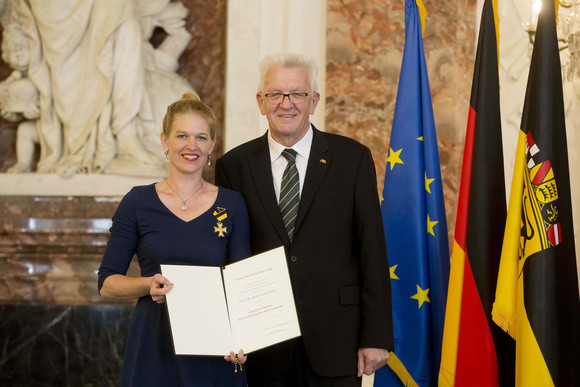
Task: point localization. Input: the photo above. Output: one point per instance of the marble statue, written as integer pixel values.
(19, 99)
(91, 88)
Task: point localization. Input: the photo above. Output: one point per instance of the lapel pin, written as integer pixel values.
(323, 161)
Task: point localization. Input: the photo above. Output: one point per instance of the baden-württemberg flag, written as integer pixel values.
(473, 346)
(537, 290)
(415, 223)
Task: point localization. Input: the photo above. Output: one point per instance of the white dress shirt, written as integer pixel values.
(279, 162)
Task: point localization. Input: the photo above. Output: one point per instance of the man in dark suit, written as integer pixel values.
(320, 201)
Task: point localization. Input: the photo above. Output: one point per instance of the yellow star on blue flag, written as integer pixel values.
(430, 225)
(421, 296)
(394, 158)
(428, 183)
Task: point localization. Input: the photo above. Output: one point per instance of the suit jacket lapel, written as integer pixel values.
(261, 168)
(318, 163)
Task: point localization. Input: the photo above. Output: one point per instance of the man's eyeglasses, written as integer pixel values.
(276, 98)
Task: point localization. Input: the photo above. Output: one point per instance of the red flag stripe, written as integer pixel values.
(463, 201)
(476, 356)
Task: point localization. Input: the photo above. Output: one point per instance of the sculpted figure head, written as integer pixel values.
(15, 49)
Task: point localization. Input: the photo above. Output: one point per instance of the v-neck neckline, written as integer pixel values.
(177, 216)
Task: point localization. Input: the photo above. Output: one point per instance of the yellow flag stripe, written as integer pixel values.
(508, 309)
(496, 22)
(400, 370)
(504, 307)
(422, 14)
(452, 316)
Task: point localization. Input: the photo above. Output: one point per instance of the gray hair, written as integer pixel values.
(289, 60)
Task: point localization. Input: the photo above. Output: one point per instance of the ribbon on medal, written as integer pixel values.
(220, 214)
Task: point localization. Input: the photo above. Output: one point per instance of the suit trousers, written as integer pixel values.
(301, 374)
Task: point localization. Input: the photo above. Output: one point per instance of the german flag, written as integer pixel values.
(471, 342)
(537, 290)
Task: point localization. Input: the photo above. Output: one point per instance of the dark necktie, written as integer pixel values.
(290, 192)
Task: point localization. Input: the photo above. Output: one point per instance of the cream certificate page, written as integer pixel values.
(197, 311)
(246, 305)
(260, 301)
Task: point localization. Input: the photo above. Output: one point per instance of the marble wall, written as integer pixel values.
(50, 248)
(62, 345)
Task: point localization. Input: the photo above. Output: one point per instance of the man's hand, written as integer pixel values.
(371, 359)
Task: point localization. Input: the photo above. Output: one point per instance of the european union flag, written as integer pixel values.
(415, 222)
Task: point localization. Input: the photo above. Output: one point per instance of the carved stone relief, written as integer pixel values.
(88, 87)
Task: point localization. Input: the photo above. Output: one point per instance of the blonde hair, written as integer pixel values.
(289, 60)
(189, 103)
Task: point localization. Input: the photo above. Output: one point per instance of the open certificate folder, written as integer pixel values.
(245, 305)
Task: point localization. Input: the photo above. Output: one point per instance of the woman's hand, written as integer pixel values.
(160, 286)
(239, 358)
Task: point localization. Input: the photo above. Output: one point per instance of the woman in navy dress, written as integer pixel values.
(180, 220)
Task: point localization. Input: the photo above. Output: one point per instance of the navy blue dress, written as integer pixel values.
(143, 225)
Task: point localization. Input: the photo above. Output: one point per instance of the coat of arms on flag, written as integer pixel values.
(540, 217)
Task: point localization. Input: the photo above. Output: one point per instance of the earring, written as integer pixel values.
(166, 153)
(209, 160)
